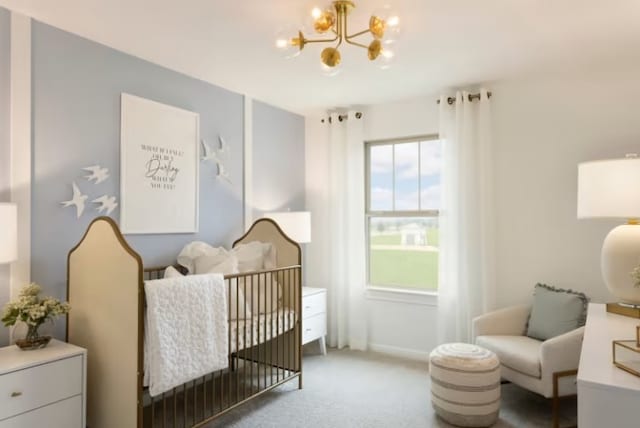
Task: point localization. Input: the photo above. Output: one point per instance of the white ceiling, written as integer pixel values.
(446, 43)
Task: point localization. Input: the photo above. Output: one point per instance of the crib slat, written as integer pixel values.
(244, 350)
(175, 409)
(164, 411)
(213, 393)
(195, 400)
(184, 401)
(237, 338)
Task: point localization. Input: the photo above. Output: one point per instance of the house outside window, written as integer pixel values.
(402, 209)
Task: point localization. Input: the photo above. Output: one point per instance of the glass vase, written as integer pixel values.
(29, 337)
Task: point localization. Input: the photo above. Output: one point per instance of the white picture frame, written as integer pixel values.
(159, 167)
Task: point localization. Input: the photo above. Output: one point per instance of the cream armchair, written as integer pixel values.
(547, 368)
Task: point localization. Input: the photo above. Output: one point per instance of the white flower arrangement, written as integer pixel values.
(635, 274)
(32, 310)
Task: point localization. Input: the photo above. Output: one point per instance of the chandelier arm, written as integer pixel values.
(321, 40)
(358, 34)
(357, 44)
(342, 24)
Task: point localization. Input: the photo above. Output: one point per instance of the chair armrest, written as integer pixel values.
(562, 352)
(510, 321)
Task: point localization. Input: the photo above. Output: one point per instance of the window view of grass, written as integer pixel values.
(403, 252)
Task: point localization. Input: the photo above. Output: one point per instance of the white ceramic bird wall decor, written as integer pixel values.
(98, 173)
(222, 172)
(222, 145)
(107, 203)
(77, 200)
(208, 153)
(216, 156)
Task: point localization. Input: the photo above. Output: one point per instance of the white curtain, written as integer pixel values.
(467, 278)
(346, 232)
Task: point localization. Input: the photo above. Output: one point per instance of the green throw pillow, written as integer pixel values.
(555, 311)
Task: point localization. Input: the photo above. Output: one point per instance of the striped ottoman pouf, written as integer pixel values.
(465, 384)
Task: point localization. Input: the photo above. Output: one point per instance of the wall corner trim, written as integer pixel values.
(248, 163)
(20, 145)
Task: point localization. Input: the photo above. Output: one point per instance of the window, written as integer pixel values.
(402, 208)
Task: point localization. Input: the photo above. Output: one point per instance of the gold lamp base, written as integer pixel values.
(632, 311)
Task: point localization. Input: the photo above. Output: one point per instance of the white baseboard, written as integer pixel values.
(410, 354)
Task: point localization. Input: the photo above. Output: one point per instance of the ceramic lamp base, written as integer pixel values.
(620, 256)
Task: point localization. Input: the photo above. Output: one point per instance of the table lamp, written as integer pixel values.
(611, 189)
(295, 224)
(8, 232)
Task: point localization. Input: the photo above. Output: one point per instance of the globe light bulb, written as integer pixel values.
(316, 12)
(330, 57)
(393, 29)
(289, 43)
(385, 24)
(324, 21)
(386, 59)
(330, 71)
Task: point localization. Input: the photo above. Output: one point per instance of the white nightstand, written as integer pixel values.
(44, 387)
(314, 316)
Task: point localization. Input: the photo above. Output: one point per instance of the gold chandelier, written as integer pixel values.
(384, 26)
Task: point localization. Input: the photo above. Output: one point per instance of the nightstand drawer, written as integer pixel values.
(27, 389)
(314, 327)
(314, 304)
(63, 414)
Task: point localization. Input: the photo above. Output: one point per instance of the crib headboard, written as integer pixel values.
(288, 251)
(105, 278)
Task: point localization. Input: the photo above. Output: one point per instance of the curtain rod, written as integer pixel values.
(342, 117)
(451, 100)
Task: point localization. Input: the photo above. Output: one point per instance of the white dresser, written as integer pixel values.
(44, 387)
(314, 316)
(607, 395)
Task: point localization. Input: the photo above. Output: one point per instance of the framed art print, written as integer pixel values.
(159, 158)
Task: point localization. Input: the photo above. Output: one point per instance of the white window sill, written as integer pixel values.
(399, 295)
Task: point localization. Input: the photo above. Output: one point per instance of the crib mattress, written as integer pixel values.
(256, 330)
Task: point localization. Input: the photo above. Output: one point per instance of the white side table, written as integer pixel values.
(607, 395)
(314, 316)
(44, 387)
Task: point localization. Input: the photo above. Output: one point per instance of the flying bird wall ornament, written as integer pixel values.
(215, 156)
(77, 200)
(107, 203)
(98, 173)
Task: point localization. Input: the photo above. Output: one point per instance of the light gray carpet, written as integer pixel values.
(364, 390)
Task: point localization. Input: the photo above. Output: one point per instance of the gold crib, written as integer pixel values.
(106, 291)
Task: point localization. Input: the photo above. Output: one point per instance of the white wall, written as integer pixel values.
(543, 127)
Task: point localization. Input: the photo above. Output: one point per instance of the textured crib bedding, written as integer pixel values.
(260, 329)
(250, 332)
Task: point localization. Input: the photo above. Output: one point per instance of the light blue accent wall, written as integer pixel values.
(278, 160)
(5, 69)
(76, 123)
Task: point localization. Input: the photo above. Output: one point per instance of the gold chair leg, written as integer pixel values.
(555, 401)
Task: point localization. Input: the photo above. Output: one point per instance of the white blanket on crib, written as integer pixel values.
(187, 329)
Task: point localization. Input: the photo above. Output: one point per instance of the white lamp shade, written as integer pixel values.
(8, 232)
(609, 188)
(296, 224)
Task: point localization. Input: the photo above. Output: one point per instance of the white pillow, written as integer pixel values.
(221, 262)
(255, 255)
(196, 249)
(171, 272)
(261, 293)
